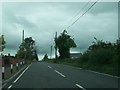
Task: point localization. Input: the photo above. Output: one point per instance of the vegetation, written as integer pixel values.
(101, 56)
(27, 50)
(45, 57)
(64, 42)
(101, 52)
(2, 42)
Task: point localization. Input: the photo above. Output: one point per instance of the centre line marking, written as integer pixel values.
(21, 74)
(79, 86)
(9, 87)
(49, 67)
(59, 73)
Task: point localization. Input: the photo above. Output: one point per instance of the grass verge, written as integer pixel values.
(111, 69)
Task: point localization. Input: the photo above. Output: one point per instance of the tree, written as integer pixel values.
(64, 42)
(118, 46)
(45, 57)
(35, 56)
(98, 44)
(27, 49)
(117, 49)
(101, 52)
(2, 42)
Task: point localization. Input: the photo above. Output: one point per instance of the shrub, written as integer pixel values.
(101, 55)
(84, 57)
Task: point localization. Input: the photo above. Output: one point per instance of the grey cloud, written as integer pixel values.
(42, 20)
(104, 7)
(12, 41)
(13, 19)
(24, 22)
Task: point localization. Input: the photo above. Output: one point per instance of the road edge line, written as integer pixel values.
(103, 74)
(4, 83)
(21, 74)
(91, 71)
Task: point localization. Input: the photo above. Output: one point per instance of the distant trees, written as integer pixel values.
(2, 42)
(64, 42)
(27, 49)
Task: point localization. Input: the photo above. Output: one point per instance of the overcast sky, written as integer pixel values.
(41, 21)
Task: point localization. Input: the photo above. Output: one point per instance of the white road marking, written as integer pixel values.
(49, 67)
(21, 74)
(9, 87)
(103, 74)
(95, 72)
(79, 86)
(59, 73)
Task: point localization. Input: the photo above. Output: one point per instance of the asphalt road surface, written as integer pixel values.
(48, 75)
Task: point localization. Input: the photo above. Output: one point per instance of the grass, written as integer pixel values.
(111, 69)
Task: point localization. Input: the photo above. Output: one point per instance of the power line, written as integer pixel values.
(83, 14)
(76, 20)
(79, 11)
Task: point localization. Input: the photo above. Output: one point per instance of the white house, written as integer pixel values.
(75, 55)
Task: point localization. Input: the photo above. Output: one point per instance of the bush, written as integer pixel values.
(102, 56)
(84, 57)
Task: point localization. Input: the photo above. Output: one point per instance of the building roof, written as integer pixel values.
(75, 55)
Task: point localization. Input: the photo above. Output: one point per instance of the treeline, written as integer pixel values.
(102, 56)
(27, 51)
(102, 52)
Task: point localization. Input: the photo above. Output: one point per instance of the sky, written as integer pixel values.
(40, 20)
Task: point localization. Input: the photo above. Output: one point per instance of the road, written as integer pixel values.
(48, 75)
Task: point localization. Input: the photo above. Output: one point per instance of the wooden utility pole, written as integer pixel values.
(23, 36)
(23, 42)
(51, 52)
(55, 46)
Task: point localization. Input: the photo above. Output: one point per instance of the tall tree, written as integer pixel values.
(2, 42)
(64, 42)
(27, 49)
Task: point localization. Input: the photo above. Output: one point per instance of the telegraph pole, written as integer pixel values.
(23, 42)
(80, 50)
(23, 36)
(51, 52)
(55, 46)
